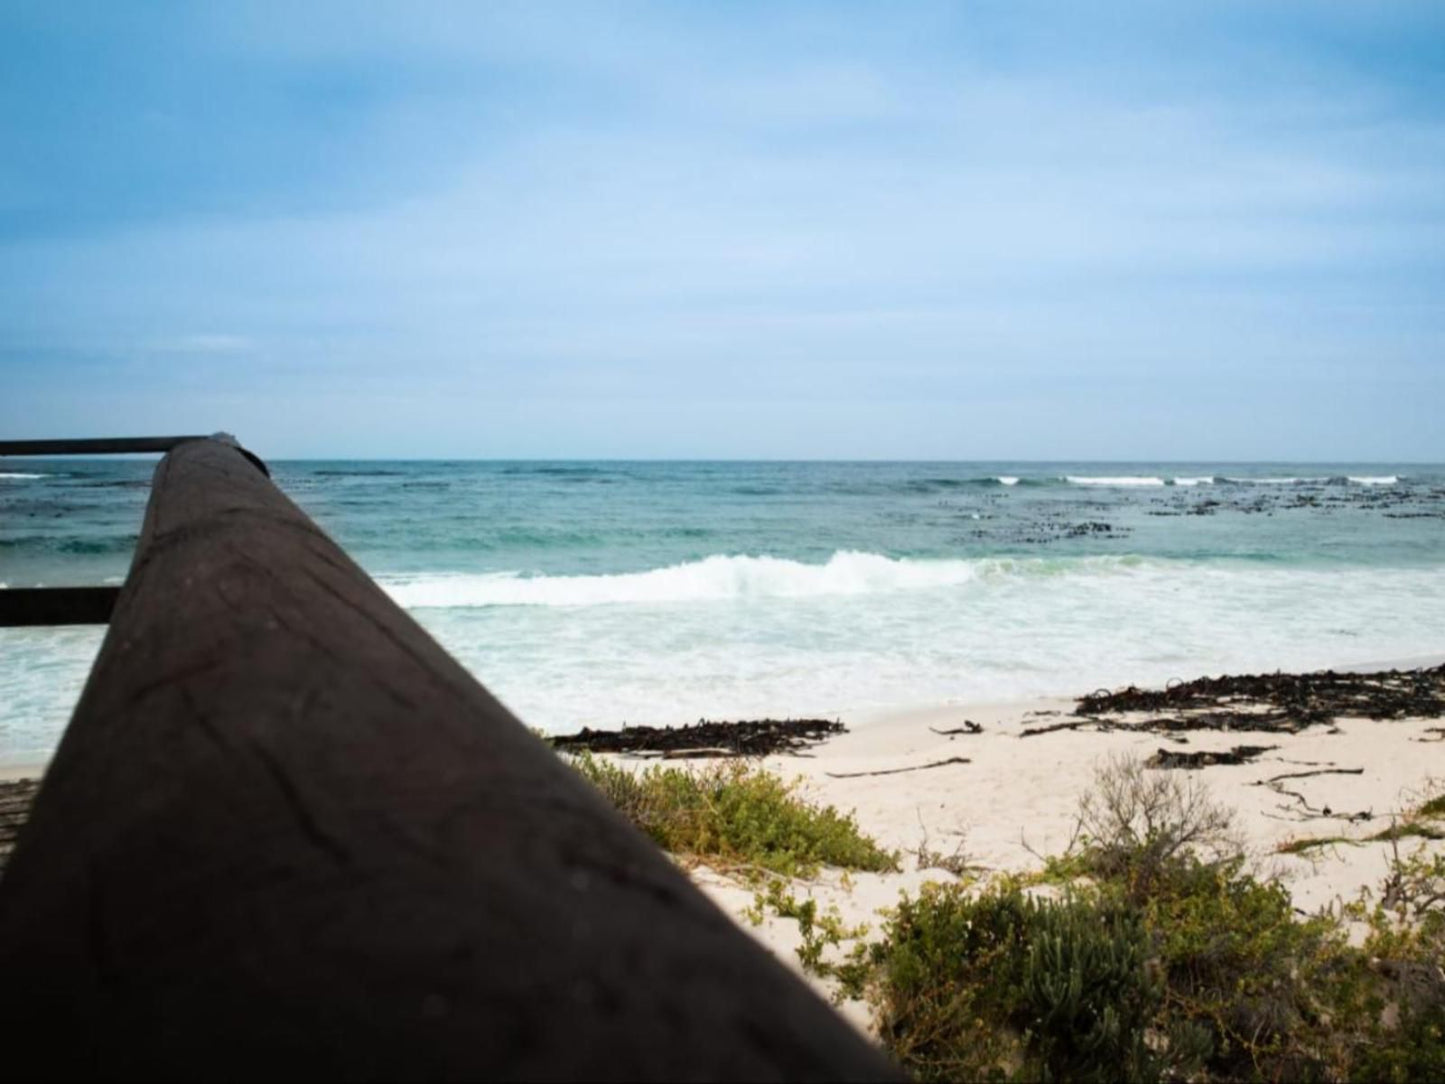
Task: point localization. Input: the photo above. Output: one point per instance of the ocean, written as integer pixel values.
(602, 593)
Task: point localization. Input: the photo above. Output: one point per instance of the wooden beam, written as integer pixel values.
(287, 836)
(92, 445)
(22, 606)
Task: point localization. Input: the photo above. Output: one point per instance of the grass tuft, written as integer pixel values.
(1408, 829)
(1305, 844)
(1434, 807)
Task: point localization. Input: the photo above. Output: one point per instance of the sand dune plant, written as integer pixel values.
(736, 816)
(1135, 823)
(1004, 985)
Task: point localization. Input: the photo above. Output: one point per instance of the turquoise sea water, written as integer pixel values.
(598, 593)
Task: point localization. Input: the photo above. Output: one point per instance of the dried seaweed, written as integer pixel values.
(1283, 703)
(1240, 754)
(755, 738)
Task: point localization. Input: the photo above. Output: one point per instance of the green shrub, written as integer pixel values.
(737, 816)
(1401, 1005)
(999, 984)
(1088, 994)
(1242, 969)
(1174, 962)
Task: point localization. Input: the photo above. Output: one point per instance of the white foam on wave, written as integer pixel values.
(20, 474)
(1007, 480)
(720, 578)
(1020, 628)
(710, 579)
(1275, 481)
(1123, 480)
(1376, 480)
(1208, 480)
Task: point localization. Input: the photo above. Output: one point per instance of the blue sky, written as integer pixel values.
(829, 230)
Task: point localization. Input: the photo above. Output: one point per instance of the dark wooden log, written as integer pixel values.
(287, 836)
(21, 606)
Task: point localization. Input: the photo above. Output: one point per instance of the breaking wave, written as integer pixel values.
(1122, 480)
(720, 578)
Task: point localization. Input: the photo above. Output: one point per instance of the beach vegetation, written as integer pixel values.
(956, 861)
(1303, 845)
(1433, 807)
(1407, 829)
(1151, 950)
(1137, 825)
(818, 930)
(1400, 999)
(737, 817)
(1001, 984)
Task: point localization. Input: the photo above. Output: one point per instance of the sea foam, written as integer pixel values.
(720, 577)
(711, 579)
(1276, 481)
(1124, 480)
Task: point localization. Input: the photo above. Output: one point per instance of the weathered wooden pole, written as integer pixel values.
(287, 836)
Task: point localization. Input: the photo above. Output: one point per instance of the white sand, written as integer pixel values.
(21, 770)
(1018, 796)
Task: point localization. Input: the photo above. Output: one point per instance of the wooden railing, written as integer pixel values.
(80, 605)
(286, 835)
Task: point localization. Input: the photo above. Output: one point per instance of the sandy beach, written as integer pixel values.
(1015, 800)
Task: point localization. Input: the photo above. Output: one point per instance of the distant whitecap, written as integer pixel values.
(1123, 480)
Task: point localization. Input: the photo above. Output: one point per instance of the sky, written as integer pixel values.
(728, 230)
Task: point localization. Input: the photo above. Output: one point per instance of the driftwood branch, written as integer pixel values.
(968, 727)
(900, 771)
(1317, 771)
(1052, 727)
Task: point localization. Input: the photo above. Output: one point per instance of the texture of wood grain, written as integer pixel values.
(287, 836)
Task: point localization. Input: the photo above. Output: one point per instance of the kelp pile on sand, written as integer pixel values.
(755, 738)
(1281, 703)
